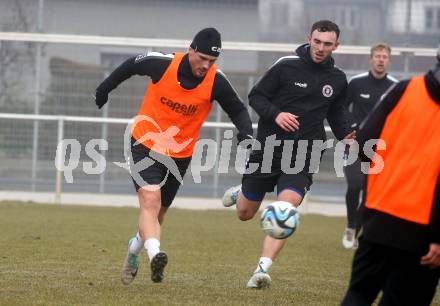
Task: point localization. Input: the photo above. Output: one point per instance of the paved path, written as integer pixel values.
(328, 208)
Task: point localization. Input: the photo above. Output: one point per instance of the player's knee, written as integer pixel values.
(244, 215)
(292, 196)
(149, 199)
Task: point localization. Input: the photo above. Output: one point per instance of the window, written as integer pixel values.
(438, 18)
(346, 16)
(432, 19)
(279, 14)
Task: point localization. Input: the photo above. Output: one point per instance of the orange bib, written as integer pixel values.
(405, 187)
(171, 116)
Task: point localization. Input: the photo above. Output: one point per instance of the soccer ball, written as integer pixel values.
(279, 219)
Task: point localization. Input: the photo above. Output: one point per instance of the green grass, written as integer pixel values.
(72, 255)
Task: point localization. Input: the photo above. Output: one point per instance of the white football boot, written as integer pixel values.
(259, 280)
(349, 240)
(230, 197)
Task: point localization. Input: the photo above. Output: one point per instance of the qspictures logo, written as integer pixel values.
(180, 108)
(208, 154)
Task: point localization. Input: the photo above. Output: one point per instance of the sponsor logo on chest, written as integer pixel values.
(180, 108)
(301, 84)
(365, 96)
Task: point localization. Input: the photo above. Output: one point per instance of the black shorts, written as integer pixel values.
(256, 184)
(157, 173)
(254, 187)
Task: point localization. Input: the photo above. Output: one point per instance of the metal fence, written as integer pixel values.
(47, 92)
(39, 168)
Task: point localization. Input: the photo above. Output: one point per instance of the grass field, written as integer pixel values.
(72, 255)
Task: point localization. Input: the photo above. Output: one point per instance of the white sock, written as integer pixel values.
(136, 244)
(264, 264)
(152, 246)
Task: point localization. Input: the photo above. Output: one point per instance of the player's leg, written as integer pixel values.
(158, 258)
(354, 178)
(253, 190)
(251, 194)
(149, 207)
(147, 183)
(292, 189)
(148, 234)
(150, 229)
(271, 246)
(368, 275)
(361, 207)
(254, 193)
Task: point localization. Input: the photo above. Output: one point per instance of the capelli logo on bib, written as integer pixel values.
(327, 91)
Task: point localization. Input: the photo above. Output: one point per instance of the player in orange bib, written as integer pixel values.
(176, 104)
(399, 245)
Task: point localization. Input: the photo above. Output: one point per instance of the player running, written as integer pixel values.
(363, 91)
(293, 99)
(178, 101)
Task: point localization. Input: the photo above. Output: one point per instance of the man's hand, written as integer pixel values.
(349, 138)
(287, 121)
(100, 98)
(432, 259)
(241, 137)
(245, 140)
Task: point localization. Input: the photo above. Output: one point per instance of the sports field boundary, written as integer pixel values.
(327, 208)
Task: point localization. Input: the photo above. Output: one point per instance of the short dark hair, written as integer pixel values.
(325, 26)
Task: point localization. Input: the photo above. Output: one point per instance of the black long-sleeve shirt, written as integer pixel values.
(363, 91)
(154, 65)
(302, 87)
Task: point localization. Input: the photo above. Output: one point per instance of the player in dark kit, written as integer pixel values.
(176, 104)
(293, 99)
(363, 91)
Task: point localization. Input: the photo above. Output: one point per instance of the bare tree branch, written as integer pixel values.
(11, 72)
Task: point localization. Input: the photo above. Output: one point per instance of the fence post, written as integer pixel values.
(218, 116)
(59, 161)
(37, 97)
(104, 135)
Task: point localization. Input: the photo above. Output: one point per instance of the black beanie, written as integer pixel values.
(207, 41)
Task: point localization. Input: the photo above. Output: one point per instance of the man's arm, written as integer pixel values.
(432, 258)
(152, 64)
(225, 95)
(349, 102)
(338, 116)
(261, 93)
(372, 125)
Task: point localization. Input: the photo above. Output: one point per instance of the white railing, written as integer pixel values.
(180, 43)
(60, 119)
(207, 124)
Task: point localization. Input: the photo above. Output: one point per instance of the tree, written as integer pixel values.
(16, 58)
